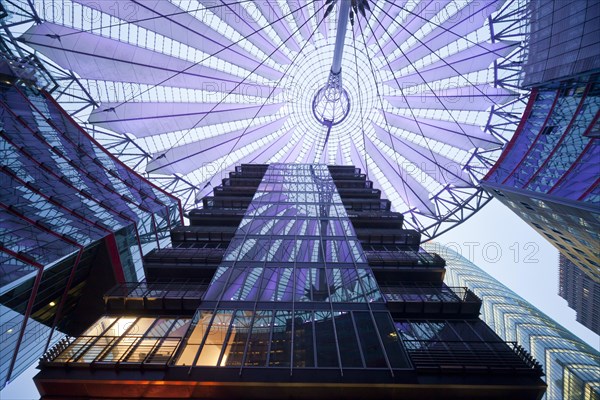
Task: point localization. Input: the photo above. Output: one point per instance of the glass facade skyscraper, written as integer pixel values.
(319, 293)
(70, 213)
(572, 367)
(548, 174)
(581, 292)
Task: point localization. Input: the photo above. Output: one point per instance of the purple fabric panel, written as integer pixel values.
(385, 20)
(425, 10)
(262, 155)
(468, 137)
(269, 284)
(412, 191)
(183, 28)
(301, 16)
(465, 21)
(475, 98)
(357, 158)
(272, 12)
(474, 58)
(440, 168)
(186, 158)
(320, 10)
(96, 57)
(237, 17)
(146, 119)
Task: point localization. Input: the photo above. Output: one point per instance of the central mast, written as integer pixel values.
(331, 103)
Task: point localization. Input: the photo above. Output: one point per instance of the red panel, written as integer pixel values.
(115, 259)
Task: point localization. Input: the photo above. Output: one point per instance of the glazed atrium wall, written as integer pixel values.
(292, 280)
(70, 214)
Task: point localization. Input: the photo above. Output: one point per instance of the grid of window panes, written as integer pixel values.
(294, 289)
(295, 244)
(293, 339)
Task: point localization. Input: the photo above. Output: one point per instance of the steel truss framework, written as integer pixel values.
(183, 90)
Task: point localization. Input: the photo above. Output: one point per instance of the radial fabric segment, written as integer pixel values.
(183, 90)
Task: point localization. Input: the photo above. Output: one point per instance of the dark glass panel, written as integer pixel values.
(369, 341)
(258, 343)
(303, 340)
(325, 338)
(349, 351)
(393, 347)
(281, 343)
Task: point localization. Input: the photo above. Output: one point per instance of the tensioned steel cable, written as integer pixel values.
(151, 87)
(431, 51)
(223, 159)
(440, 25)
(276, 85)
(426, 84)
(412, 110)
(135, 21)
(404, 183)
(227, 95)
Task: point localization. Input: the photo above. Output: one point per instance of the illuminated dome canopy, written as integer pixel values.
(183, 90)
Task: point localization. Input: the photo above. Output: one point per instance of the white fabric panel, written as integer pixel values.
(239, 19)
(462, 136)
(272, 12)
(97, 57)
(467, 20)
(183, 28)
(473, 98)
(146, 119)
(442, 169)
(186, 158)
(413, 193)
(475, 58)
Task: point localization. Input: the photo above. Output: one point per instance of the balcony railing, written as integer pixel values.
(428, 293)
(471, 357)
(155, 296)
(108, 351)
(400, 258)
(440, 300)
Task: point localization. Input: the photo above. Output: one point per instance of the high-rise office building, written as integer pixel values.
(71, 214)
(315, 291)
(581, 292)
(548, 174)
(571, 367)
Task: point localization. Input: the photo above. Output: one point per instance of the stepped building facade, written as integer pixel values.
(291, 281)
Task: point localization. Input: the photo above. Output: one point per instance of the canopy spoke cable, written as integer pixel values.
(421, 95)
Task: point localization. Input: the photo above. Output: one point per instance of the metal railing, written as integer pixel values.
(428, 294)
(113, 350)
(416, 259)
(471, 355)
(133, 295)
